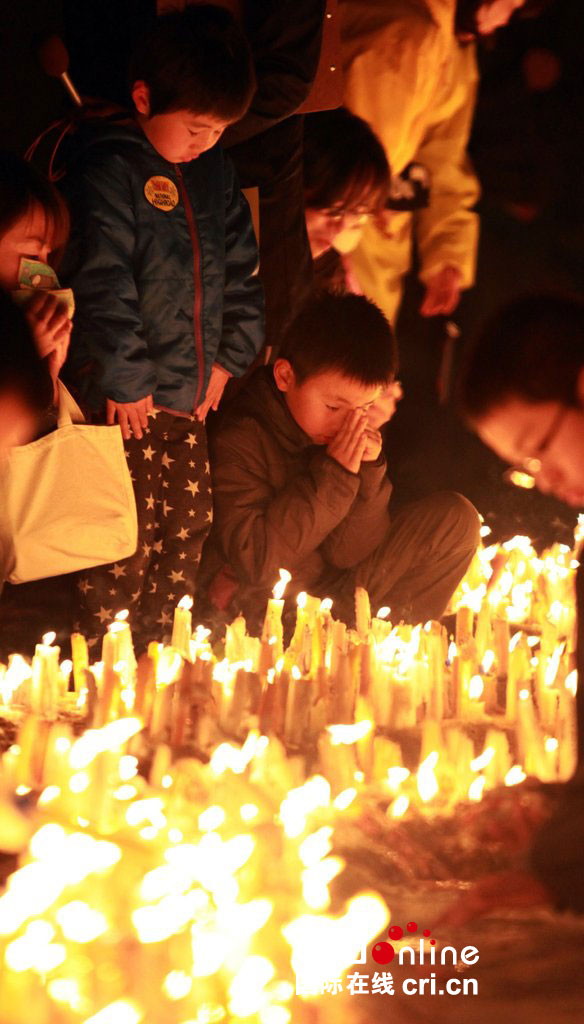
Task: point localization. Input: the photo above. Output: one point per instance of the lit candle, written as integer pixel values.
(273, 618)
(45, 678)
(182, 627)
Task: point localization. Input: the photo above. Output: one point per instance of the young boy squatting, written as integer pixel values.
(163, 264)
(299, 480)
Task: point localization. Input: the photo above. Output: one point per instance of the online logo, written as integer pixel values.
(421, 951)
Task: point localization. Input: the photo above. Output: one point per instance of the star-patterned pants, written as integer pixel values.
(172, 484)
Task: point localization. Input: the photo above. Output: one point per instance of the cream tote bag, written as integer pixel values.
(69, 498)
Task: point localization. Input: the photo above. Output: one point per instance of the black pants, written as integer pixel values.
(172, 485)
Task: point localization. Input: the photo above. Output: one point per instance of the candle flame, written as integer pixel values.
(349, 733)
(426, 779)
(326, 604)
(280, 587)
(475, 688)
(186, 602)
(515, 776)
(49, 638)
(571, 682)
(122, 616)
(384, 612)
(302, 599)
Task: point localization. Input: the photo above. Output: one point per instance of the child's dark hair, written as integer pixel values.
(197, 60)
(532, 349)
(344, 162)
(346, 333)
(23, 374)
(21, 187)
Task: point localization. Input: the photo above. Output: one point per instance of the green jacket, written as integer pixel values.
(281, 502)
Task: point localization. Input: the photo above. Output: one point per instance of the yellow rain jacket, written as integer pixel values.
(406, 74)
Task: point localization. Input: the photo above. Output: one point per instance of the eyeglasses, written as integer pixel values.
(523, 474)
(337, 213)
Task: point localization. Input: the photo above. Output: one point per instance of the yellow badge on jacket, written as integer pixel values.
(161, 193)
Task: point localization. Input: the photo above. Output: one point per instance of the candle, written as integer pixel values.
(80, 659)
(45, 678)
(362, 612)
(182, 627)
(273, 619)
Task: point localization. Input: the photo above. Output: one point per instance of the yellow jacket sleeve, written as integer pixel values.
(406, 74)
(447, 229)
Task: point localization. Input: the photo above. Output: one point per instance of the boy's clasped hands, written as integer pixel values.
(355, 442)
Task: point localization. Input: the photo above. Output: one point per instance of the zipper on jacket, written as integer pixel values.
(198, 283)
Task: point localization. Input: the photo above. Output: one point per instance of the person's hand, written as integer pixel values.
(442, 292)
(349, 445)
(384, 407)
(373, 446)
(215, 389)
(50, 326)
(132, 416)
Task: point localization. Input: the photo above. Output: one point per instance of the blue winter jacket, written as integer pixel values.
(163, 264)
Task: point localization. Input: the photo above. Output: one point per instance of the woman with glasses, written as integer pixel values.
(522, 391)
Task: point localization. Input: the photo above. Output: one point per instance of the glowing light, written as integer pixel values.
(480, 763)
(49, 638)
(475, 688)
(396, 775)
(326, 604)
(349, 733)
(399, 806)
(80, 922)
(475, 790)
(488, 661)
(248, 812)
(211, 818)
(384, 612)
(551, 744)
(122, 1011)
(280, 587)
(571, 682)
(515, 775)
(345, 799)
(177, 984)
(426, 779)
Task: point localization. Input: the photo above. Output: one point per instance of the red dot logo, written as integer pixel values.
(412, 926)
(383, 953)
(395, 932)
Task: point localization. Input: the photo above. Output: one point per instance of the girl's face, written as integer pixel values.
(325, 226)
(29, 236)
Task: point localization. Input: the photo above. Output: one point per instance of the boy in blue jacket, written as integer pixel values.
(163, 264)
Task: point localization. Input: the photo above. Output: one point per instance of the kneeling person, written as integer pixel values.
(300, 481)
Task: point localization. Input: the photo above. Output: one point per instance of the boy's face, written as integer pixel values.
(546, 439)
(320, 404)
(180, 135)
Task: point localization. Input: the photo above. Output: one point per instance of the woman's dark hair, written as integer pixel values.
(197, 60)
(344, 162)
(21, 187)
(532, 349)
(346, 333)
(23, 374)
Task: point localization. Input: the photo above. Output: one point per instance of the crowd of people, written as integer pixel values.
(250, 383)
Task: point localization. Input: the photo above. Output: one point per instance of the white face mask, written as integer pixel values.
(35, 275)
(349, 238)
